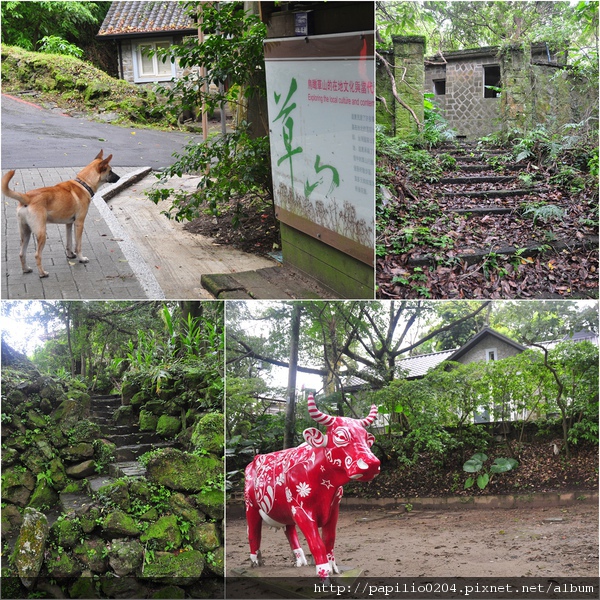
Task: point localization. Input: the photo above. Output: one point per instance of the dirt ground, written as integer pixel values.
(521, 542)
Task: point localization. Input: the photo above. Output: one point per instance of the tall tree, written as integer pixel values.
(290, 413)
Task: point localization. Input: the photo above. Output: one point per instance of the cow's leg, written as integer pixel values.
(292, 536)
(254, 522)
(315, 543)
(328, 531)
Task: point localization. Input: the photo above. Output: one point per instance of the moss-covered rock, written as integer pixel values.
(82, 470)
(183, 471)
(9, 456)
(84, 587)
(30, 547)
(169, 592)
(156, 407)
(71, 412)
(89, 520)
(148, 421)
(182, 507)
(77, 452)
(91, 553)
(125, 556)
(43, 496)
(117, 493)
(209, 434)
(84, 431)
(66, 532)
(62, 565)
(17, 485)
(57, 473)
(168, 426)
(123, 416)
(177, 569)
(119, 524)
(35, 419)
(205, 537)
(138, 399)
(128, 390)
(211, 502)
(216, 564)
(12, 519)
(140, 489)
(164, 534)
(34, 460)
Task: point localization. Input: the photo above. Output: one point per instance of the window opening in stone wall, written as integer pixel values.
(439, 87)
(491, 81)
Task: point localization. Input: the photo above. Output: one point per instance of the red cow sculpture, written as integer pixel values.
(303, 486)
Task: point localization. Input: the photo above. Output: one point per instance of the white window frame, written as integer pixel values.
(489, 351)
(138, 76)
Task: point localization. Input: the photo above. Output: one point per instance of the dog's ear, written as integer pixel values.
(104, 163)
(100, 155)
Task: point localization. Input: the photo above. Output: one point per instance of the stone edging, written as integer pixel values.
(536, 500)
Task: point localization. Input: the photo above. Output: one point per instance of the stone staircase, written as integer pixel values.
(478, 217)
(130, 441)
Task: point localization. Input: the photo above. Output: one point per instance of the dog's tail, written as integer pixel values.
(11, 193)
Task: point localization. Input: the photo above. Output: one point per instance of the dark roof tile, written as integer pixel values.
(127, 18)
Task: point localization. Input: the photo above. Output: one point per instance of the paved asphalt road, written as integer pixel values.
(35, 137)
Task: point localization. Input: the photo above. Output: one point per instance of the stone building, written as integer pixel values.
(468, 86)
(483, 90)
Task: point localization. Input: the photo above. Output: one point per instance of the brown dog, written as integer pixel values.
(66, 202)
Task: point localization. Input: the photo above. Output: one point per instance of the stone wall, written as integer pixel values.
(464, 106)
(478, 353)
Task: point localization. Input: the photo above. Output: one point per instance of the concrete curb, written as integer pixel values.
(139, 267)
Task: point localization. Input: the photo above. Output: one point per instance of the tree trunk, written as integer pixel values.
(290, 413)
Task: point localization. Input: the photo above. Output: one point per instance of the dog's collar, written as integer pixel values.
(85, 185)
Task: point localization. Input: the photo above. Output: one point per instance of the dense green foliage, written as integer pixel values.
(236, 165)
(25, 24)
(434, 414)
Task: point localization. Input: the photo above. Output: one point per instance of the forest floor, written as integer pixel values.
(520, 542)
(256, 232)
(512, 231)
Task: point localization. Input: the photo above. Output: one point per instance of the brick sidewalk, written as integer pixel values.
(114, 270)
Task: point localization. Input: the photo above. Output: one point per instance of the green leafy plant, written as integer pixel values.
(54, 44)
(476, 465)
(235, 166)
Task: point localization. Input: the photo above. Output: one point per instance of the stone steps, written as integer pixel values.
(129, 440)
(482, 206)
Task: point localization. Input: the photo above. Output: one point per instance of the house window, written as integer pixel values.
(491, 354)
(150, 67)
(439, 87)
(491, 81)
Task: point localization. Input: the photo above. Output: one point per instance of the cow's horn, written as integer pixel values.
(368, 420)
(317, 415)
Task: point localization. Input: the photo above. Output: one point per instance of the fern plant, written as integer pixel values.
(544, 212)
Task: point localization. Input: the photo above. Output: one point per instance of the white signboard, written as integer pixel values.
(321, 103)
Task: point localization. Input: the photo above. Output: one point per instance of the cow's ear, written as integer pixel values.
(315, 438)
